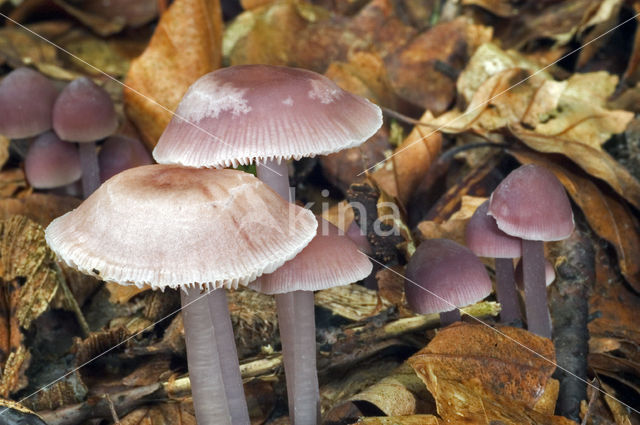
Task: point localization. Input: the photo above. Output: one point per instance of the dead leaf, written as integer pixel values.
(494, 375)
(425, 70)
(454, 227)
(12, 183)
(186, 45)
(405, 420)
(39, 207)
(353, 302)
(4, 150)
(607, 216)
(102, 25)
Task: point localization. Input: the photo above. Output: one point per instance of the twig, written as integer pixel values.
(592, 400)
(72, 302)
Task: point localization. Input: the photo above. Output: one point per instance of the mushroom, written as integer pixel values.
(84, 113)
(331, 259)
(119, 153)
(443, 276)
(51, 163)
(152, 225)
(26, 102)
(549, 274)
(266, 115)
(531, 204)
(485, 240)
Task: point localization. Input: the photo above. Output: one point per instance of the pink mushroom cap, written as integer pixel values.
(450, 271)
(84, 112)
(51, 163)
(243, 114)
(531, 203)
(26, 102)
(485, 239)
(167, 226)
(119, 153)
(329, 260)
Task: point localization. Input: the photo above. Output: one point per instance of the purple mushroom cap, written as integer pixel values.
(450, 271)
(84, 112)
(26, 102)
(485, 239)
(120, 153)
(51, 163)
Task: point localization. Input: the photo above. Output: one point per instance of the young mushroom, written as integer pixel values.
(51, 163)
(84, 113)
(443, 276)
(485, 240)
(266, 115)
(119, 153)
(531, 204)
(26, 102)
(331, 259)
(151, 225)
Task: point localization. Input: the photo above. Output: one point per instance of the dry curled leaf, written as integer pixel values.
(185, 45)
(39, 207)
(454, 227)
(496, 374)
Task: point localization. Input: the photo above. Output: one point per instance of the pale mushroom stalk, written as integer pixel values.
(535, 290)
(228, 356)
(90, 169)
(296, 321)
(506, 290)
(205, 374)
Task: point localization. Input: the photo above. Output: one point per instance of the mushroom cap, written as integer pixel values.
(549, 274)
(485, 239)
(166, 226)
(119, 153)
(243, 114)
(84, 112)
(530, 203)
(331, 259)
(26, 102)
(450, 271)
(51, 163)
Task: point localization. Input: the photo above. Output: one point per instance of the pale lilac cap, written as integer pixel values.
(84, 112)
(531, 203)
(330, 260)
(485, 239)
(167, 226)
(549, 274)
(51, 163)
(450, 271)
(119, 153)
(242, 114)
(26, 102)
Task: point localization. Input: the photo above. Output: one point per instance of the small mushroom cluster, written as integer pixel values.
(237, 229)
(82, 113)
(528, 207)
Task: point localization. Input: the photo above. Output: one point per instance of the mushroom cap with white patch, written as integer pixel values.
(331, 259)
(167, 226)
(248, 113)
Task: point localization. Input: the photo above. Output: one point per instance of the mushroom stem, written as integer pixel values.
(228, 356)
(449, 317)
(506, 290)
(535, 290)
(296, 320)
(90, 170)
(207, 385)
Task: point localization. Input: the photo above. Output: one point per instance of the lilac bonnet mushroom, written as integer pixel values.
(531, 204)
(26, 102)
(119, 153)
(331, 259)
(51, 163)
(443, 276)
(84, 113)
(151, 225)
(485, 240)
(266, 115)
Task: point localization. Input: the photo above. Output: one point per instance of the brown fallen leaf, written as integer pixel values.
(406, 420)
(102, 25)
(606, 214)
(495, 375)
(186, 45)
(425, 70)
(12, 183)
(39, 207)
(454, 227)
